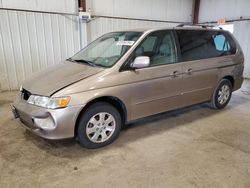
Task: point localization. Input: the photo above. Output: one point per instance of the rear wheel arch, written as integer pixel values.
(113, 101)
(214, 103)
(230, 78)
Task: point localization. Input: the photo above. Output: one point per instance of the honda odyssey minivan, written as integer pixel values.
(127, 75)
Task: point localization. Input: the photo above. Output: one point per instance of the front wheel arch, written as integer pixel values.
(114, 101)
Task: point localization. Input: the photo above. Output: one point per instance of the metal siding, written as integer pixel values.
(168, 10)
(100, 26)
(242, 34)
(178, 10)
(212, 10)
(61, 6)
(7, 51)
(30, 42)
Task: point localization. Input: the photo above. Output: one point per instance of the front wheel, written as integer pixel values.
(99, 126)
(222, 94)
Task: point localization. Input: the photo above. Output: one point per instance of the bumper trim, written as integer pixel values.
(14, 111)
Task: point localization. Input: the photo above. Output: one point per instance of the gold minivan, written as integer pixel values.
(127, 75)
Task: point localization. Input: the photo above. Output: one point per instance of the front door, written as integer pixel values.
(156, 88)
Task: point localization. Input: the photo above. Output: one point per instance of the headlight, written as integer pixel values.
(49, 102)
(21, 88)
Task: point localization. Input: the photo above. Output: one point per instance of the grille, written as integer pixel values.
(26, 94)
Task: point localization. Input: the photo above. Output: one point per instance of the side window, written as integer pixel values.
(193, 44)
(159, 47)
(197, 44)
(224, 44)
(220, 43)
(149, 43)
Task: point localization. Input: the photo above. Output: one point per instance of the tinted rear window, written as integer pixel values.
(196, 44)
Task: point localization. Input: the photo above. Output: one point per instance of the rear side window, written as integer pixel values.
(221, 43)
(200, 44)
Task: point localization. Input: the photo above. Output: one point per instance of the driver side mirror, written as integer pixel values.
(140, 62)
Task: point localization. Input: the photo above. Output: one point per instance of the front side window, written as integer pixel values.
(159, 47)
(202, 44)
(108, 49)
(149, 44)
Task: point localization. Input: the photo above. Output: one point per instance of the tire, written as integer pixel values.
(98, 126)
(222, 94)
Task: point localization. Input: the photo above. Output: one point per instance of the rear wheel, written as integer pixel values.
(222, 94)
(99, 126)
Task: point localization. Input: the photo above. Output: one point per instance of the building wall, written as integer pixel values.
(61, 6)
(169, 10)
(31, 41)
(35, 34)
(212, 10)
(161, 10)
(100, 26)
(242, 34)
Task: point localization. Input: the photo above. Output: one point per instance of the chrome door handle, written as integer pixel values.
(175, 74)
(189, 71)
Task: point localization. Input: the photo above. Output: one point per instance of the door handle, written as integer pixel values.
(189, 71)
(175, 74)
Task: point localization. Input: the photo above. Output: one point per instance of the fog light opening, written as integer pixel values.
(44, 123)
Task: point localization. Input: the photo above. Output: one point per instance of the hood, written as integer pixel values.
(57, 77)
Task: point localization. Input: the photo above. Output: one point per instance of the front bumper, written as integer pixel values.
(46, 123)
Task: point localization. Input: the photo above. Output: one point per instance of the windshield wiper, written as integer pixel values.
(86, 62)
(82, 61)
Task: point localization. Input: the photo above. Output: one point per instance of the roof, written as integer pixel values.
(188, 27)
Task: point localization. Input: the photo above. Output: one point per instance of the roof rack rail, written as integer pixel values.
(198, 25)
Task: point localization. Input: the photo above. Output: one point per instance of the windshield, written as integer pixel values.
(108, 49)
